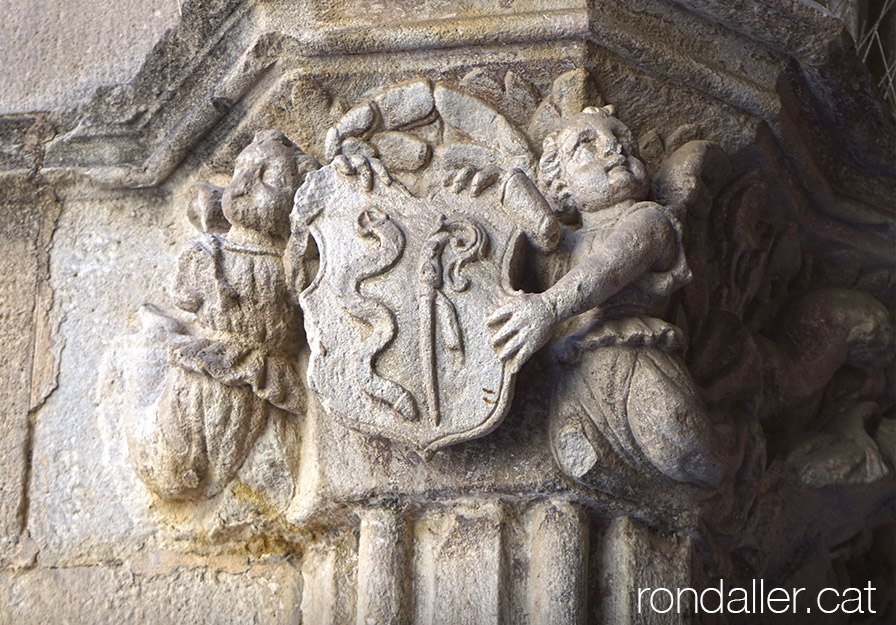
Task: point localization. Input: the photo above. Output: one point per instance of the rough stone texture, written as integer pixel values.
(29, 362)
(93, 272)
(418, 370)
(460, 569)
(56, 54)
(382, 568)
(155, 588)
(691, 283)
(558, 565)
(626, 547)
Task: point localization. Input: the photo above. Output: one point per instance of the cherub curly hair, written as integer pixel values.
(550, 169)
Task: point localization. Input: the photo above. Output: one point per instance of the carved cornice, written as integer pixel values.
(784, 65)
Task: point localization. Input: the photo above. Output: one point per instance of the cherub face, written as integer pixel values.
(259, 195)
(598, 163)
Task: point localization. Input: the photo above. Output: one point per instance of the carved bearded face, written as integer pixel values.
(599, 162)
(265, 177)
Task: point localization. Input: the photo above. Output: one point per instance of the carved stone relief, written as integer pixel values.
(432, 190)
(419, 313)
(683, 360)
(231, 347)
(416, 369)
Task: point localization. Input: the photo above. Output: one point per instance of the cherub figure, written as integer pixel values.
(234, 361)
(624, 390)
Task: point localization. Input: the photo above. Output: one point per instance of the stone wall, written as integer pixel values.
(443, 313)
(57, 54)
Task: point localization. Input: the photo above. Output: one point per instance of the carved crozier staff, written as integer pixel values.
(468, 242)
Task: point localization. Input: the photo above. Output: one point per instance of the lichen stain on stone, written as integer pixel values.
(260, 501)
(271, 541)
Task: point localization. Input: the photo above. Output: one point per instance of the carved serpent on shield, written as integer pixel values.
(376, 225)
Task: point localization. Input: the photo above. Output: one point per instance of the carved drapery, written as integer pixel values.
(684, 362)
(491, 319)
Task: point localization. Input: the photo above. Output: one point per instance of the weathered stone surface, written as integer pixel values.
(573, 91)
(29, 361)
(155, 588)
(314, 417)
(460, 574)
(328, 573)
(354, 146)
(233, 348)
(482, 84)
(94, 273)
(400, 151)
(477, 120)
(558, 564)
(626, 546)
(93, 46)
(436, 248)
(356, 122)
(383, 575)
(406, 104)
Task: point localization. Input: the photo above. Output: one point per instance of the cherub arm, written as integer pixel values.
(643, 242)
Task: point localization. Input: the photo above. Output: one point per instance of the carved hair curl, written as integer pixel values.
(551, 173)
(550, 169)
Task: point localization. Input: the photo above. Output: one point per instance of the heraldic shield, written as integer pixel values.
(396, 315)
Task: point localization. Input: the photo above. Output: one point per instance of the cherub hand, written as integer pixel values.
(365, 168)
(520, 328)
(477, 179)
